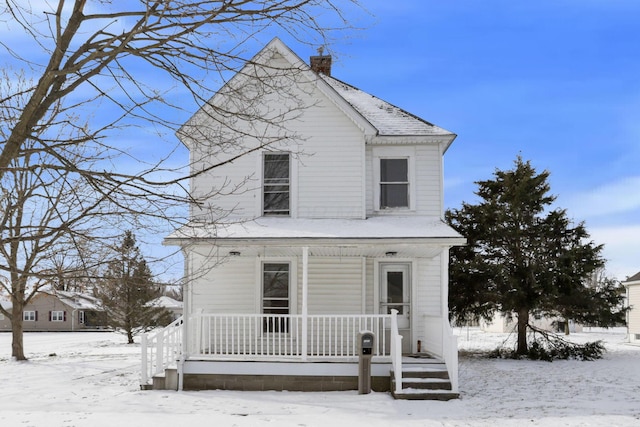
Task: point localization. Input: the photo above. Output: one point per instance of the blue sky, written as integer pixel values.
(555, 81)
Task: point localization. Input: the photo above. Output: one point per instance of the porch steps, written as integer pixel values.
(424, 382)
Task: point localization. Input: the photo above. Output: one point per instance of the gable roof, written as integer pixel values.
(373, 115)
(79, 301)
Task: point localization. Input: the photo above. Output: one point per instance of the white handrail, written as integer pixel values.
(160, 349)
(450, 353)
(396, 351)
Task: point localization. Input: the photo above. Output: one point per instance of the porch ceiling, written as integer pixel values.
(389, 250)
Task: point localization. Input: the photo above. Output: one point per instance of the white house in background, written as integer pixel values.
(333, 225)
(633, 300)
(174, 306)
(501, 323)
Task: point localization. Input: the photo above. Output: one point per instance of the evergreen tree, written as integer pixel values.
(522, 257)
(127, 289)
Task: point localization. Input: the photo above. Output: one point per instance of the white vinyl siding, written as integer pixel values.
(429, 299)
(230, 287)
(634, 313)
(427, 170)
(327, 169)
(335, 285)
(428, 180)
(330, 169)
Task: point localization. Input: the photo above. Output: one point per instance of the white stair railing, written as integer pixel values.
(160, 349)
(396, 351)
(450, 353)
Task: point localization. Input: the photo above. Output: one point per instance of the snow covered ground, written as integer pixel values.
(92, 379)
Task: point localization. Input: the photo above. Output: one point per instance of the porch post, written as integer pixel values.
(305, 293)
(186, 313)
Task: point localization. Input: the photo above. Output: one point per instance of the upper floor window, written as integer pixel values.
(394, 183)
(276, 184)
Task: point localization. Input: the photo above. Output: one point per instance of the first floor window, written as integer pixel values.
(276, 184)
(29, 316)
(275, 296)
(394, 183)
(57, 316)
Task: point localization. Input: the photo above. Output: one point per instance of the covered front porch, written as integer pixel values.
(267, 300)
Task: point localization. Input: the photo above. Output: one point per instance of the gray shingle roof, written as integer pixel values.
(634, 278)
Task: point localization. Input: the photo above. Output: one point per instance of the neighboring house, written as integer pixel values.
(58, 311)
(333, 229)
(501, 323)
(633, 300)
(174, 306)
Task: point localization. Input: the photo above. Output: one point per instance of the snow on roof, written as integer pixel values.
(291, 228)
(385, 117)
(79, 300)
(166, 302)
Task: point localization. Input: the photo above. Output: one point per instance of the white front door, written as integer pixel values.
(395, 288)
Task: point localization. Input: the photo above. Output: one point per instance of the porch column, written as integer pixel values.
(305, 293)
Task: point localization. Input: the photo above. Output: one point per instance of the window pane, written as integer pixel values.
(276, 203)
(393, 170)
(394, 287)
(276, 167)
(394, 195)
(276, 281)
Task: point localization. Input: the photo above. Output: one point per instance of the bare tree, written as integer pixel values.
(87, 66)
(48, 215)
(104, 49)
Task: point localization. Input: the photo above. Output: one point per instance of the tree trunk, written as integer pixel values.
(130, 336)
(523, 322)
(566, 327)
(17, 345)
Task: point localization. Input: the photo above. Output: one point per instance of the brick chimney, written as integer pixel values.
(321, 63)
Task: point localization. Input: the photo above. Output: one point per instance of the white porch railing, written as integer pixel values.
(160, 349)
(263, 336)
(272, 337)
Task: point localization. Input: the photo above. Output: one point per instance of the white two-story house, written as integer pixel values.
(319, 216)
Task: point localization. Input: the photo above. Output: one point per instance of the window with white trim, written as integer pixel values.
(57, 316)
(394, 183)
(29, 316)
(275, 296)
(394, 180)
(276, 184)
